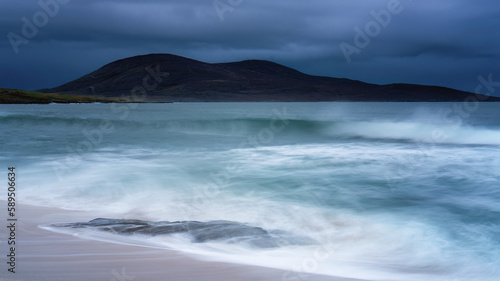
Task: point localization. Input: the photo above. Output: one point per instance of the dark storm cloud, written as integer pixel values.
(447, 42)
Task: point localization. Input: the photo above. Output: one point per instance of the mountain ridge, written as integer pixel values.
(172, 78)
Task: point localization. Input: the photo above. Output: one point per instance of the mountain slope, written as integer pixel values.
(173, 78)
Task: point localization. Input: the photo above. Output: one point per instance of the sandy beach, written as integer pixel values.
(43, 255)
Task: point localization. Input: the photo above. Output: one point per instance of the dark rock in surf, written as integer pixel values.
(199, 232)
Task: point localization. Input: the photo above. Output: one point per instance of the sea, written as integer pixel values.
(375, 191)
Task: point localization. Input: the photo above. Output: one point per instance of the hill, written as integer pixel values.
(171, 78)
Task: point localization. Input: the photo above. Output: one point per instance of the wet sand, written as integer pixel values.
(44, 255)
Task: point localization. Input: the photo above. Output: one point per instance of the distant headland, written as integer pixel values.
(171, 78)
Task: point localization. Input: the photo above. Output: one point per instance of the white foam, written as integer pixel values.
(417, 132)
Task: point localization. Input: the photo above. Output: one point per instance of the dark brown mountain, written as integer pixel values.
(173, 78)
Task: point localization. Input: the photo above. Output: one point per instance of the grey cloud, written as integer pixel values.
(447, 42)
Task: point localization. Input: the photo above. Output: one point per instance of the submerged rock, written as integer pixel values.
(199, 232)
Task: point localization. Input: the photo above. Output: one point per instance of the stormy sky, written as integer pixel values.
(447, 42)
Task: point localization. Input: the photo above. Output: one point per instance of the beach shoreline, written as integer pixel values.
(43, 255)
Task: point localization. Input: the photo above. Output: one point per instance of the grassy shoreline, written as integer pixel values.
(14, 96)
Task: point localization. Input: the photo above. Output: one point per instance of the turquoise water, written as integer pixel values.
(380, 191)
